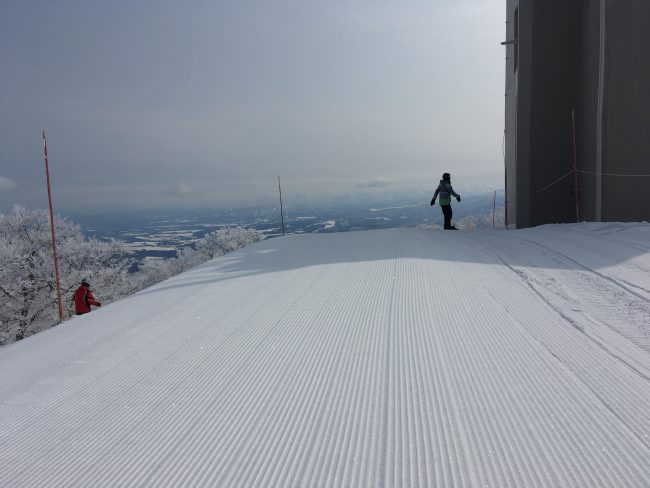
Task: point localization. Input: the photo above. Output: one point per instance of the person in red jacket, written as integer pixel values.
(84, 298)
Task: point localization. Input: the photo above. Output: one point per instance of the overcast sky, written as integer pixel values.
(163, 104)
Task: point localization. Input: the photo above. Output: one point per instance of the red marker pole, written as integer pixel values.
(56, 259)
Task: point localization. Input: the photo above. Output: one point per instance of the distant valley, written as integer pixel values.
(162, 233)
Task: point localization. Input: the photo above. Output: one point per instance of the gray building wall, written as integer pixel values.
(554, 87)
(588, 56)
(513, 103)
(626, 120)
(587, 107)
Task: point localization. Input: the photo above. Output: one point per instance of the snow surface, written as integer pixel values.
(396, 358)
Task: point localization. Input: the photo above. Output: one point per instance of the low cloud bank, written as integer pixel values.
(6, 184)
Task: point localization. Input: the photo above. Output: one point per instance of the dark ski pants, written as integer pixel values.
(446, 211)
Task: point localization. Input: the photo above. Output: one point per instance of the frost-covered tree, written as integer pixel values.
(28, 297)
(27, 282)
(210, 246)
(482, 221)
(155, 270)
(224, 241)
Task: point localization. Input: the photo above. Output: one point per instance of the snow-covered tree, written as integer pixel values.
(28, 298)
(482, 221)
(210, 246)
(155, 270)
(225, 240)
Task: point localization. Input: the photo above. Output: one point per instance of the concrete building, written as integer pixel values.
(591, 57)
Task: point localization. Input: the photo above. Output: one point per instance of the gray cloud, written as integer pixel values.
(6, 184)
(231, 94)
(179, 190)
(375, 183)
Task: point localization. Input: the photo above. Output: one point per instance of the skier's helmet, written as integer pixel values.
(85, 282)
(446, 177)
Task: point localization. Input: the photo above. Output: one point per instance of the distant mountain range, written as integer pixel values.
(164, 232)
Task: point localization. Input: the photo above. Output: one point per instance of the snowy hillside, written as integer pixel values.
(397, 358)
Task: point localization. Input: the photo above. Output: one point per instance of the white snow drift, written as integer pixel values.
(396, 358)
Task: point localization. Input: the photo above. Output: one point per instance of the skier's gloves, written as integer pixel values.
(99, 304)
(458, 198)
(433, 202)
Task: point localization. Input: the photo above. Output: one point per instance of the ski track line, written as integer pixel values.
(633, 245)
(634, 413)
(396, 358)
(466, 378)
(586, 288)
(589, 269)
(469, 381)
(595, 361)
(465, 370)
(608, 256)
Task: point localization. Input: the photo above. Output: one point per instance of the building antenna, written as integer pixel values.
(281, 207)
(56, 259)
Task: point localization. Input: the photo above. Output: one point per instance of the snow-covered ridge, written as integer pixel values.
(380, 358)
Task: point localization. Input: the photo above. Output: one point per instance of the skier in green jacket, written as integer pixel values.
(446, 192)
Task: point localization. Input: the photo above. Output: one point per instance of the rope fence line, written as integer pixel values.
(556, 181)
(610, 174)
(589, 173)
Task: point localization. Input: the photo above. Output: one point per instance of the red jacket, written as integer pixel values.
(83, 299)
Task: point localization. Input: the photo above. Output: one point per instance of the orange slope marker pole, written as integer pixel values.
(56, 259)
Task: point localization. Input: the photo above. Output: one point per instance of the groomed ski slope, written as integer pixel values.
(396, 358)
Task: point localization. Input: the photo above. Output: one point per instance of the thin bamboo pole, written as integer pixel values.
(281, 207)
